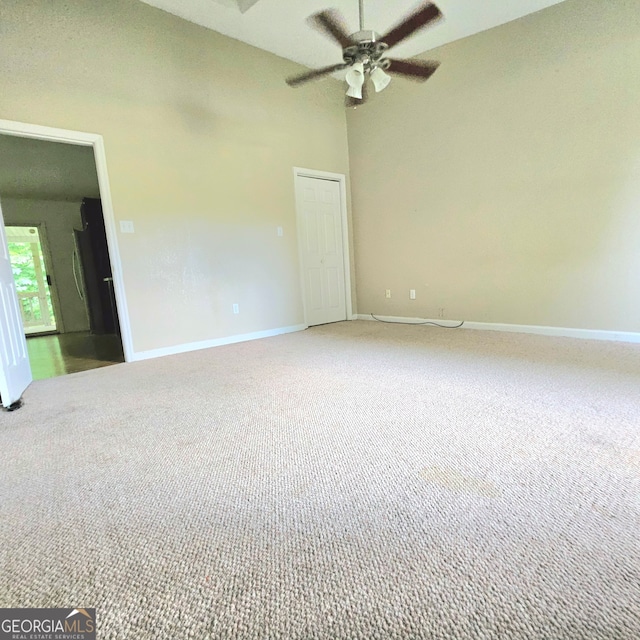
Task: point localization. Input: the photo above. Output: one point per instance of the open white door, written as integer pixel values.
(321, 240)
(15, 370)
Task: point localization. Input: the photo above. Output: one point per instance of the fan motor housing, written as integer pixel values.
(367, 47)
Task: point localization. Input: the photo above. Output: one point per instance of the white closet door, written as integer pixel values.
(322, 255)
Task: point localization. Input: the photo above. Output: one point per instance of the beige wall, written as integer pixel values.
(503, 190)
(58, 219)
(201, 134)
(507, 188)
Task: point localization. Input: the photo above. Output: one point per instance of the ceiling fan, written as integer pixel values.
(363, 51)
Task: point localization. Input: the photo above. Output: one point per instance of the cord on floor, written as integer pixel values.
(435, 324)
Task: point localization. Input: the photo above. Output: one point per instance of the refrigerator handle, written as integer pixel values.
(74, 268)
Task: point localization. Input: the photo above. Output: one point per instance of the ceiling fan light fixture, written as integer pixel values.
(380, 79)
(363, 51)
(355, 80)
(355, 92)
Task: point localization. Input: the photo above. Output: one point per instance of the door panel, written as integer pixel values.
(315, 289)
(333, 288)
(322, 256)
(15, 370)
(330, 244)
(313, 247)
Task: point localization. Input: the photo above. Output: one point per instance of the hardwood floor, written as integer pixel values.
(57, 355)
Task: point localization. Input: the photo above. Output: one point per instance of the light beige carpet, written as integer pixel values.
(357, 480)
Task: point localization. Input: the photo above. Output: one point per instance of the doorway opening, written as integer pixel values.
(61, 316)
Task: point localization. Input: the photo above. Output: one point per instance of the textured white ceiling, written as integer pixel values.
(46, 170)
(279, 26)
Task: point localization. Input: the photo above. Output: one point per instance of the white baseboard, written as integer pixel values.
(217, 342)
(565, 332)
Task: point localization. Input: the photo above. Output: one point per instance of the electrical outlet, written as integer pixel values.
(236, 308)
(412, 294)
(440, 312)
(280, 232)
(387, 293)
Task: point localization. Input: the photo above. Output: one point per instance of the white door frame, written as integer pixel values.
(341, 179)
(25, 130)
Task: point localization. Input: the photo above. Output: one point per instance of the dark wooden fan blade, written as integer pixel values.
(330, 23)
(419, 70)
(422, 17)
(295, 81)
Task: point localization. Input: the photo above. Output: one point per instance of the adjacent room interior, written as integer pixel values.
(55, 235)
(382, 356)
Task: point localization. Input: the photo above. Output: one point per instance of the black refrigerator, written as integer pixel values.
(92, 269)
